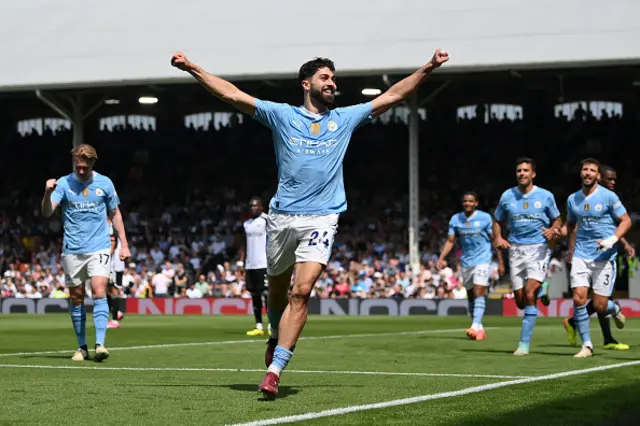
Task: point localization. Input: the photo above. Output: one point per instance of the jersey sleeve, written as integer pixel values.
(269, 113)
(571, 214)
(58, 194)
(488, 226)
(552, 208)
(500, 211)
(452, 227)
(358, 115)
(111, 197)
(615, 206)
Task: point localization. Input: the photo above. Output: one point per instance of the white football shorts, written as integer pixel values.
(528, 261)
(78, 268)
(599, 274)
(298, 238)
(475, 275)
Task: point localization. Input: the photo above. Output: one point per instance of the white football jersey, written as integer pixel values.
(255, 230)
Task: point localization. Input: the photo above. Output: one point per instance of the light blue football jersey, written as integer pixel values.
(84, 208)
(527, 214)
(474, 234)
(309, 151)
(596, 216)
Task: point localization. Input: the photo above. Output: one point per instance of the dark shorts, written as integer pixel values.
(255, 279)
(117, 282)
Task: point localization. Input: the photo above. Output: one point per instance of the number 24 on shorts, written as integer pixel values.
(315, 238)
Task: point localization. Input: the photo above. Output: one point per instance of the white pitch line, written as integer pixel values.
(251, 370)
(229, 342)
(423, 398)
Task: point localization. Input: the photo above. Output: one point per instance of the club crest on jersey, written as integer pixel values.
(332, 126)
(315, 128)
(537, 204)
(467, 224)
(85, 192)
(598, 207)
(525, 205)
(99, 192)
(587, 207)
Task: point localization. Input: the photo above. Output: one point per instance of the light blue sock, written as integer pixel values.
(281, 358)
(528, 322)
(612, 308)
(274, 321)
(479, 305)
(100, 319)
(581, 319)
(79, 319)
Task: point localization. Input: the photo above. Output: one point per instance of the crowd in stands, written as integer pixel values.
(185, 193)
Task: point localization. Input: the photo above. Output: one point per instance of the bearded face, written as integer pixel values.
(322, 87)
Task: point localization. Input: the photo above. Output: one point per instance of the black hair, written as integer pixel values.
(604, 168)
(526, 160)
(308, 69)
(472, 193)
(590, 160)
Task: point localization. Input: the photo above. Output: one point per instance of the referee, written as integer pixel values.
(253, 256)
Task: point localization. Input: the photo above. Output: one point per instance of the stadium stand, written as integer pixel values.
(185, 193)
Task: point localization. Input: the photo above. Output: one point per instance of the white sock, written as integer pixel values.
(588, 344)
(274, 369)
(259, 326)
(476, 326)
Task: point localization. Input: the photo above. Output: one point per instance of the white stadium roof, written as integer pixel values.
(78, 43)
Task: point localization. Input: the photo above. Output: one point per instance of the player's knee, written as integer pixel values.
(530, 296)
(479, 291)
(300, 294)
(579, 298)
(256, 296)
(76, 294)
(99, 287)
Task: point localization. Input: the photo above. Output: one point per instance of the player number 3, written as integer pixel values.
(315, 238)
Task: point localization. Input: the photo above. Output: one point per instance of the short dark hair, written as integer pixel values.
(590, 160)
(472, 193)
(308, 69)
(604, 168)
(527, 160)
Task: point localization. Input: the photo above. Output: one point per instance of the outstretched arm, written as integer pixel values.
(402, 89)
(220, 88)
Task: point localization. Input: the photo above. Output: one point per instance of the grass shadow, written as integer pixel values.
(57, 356)
(611, 406)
